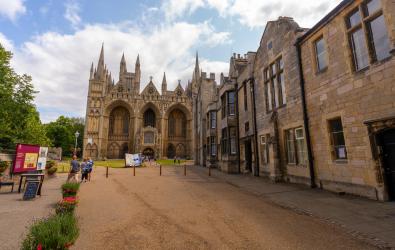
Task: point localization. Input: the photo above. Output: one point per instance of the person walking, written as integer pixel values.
(90, 168)
(85, 170)
(74, 169)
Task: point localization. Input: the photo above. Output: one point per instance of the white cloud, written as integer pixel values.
(6, 43)
(60, 64)
(176, 8)
(11, 9)
(72, 13)
(255, 13)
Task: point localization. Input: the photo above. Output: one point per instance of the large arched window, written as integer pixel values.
(119, 121)
(149, 118)
(177, 124)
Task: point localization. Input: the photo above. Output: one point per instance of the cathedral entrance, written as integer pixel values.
(149, 153)
(171, 151)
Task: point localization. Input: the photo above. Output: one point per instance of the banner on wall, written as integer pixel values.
(26, 158)
(42, 158)
(132, 160)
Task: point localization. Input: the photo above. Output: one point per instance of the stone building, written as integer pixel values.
(349, 79)
(203, 90)
(280, 129)
(120, 119)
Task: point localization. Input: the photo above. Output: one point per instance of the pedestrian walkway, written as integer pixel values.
(17, 215)
(361, 217)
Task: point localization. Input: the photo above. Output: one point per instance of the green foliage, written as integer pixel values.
(3, 166)
(71, 186)
(20, 120)
(65, 207)
(57, 232)
(61, 133)
(50, 164)
(52, 170)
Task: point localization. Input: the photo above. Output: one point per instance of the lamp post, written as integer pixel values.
(75, 146)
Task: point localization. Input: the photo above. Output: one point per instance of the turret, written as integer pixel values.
(137, 75)
(164, 84)
(91, 73)
(100, 65)
(122, 67)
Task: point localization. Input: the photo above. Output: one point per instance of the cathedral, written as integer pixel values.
(120, 119)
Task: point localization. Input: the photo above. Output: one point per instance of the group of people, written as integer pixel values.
(85, 167)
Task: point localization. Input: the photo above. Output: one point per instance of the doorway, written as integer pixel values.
(248, 155)
(149, 153)
(387, 141)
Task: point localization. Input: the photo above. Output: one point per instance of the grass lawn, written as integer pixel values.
(64, 166)
(169, 162)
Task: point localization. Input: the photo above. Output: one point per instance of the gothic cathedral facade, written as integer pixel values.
(120, 119)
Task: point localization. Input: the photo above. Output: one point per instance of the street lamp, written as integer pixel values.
(75, 146)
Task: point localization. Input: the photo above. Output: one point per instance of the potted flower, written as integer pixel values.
(3, 166)
(70, 189)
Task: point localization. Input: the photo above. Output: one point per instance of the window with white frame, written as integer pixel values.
(296, 146)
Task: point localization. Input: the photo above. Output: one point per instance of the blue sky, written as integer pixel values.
(55, 41)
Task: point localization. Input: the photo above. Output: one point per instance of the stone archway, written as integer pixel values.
(180, 150)
(149, 152)
(171, 151)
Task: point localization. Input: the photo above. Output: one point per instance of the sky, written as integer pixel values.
(55, 41)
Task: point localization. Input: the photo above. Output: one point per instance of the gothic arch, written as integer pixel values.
(180, 150)
(150, 107)
(113, 151)
(91, 150)
(171, 151)
(181, 107)
(118, 103)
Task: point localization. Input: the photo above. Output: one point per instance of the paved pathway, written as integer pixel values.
(16, 215)
(193, 212)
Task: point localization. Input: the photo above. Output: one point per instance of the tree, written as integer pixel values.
(20, 122)
(61, 133)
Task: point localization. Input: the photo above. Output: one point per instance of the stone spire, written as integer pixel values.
(100, 64)
(122, 68)
(164, 84)
(92, 72)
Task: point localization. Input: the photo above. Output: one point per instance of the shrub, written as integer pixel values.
(70, 187)
(52, 170)
(3, 166)
(50, 164)
(57, 232)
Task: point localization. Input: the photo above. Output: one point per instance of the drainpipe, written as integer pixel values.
(252, 88)
(237, 125)
(305, 117)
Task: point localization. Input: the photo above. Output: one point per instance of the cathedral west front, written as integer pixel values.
(120, 119)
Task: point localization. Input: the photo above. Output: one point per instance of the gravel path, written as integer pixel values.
(17, 215)
(172, 211)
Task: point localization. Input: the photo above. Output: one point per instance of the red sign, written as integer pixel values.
(26, 158)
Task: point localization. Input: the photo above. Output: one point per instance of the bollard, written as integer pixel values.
(209, 171)
(160, 170)
(185, 170)
(134, 170)
(107, 172)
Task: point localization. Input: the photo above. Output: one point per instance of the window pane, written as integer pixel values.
(321, 54)
(290, 146)
(373, 6)
(273, 67)
(269, 97)
(276, 100)
(354, 19)
(380, 38)
(300, 146)
(360, 50)
(338, 141)
(281, 64)
(283, 92)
